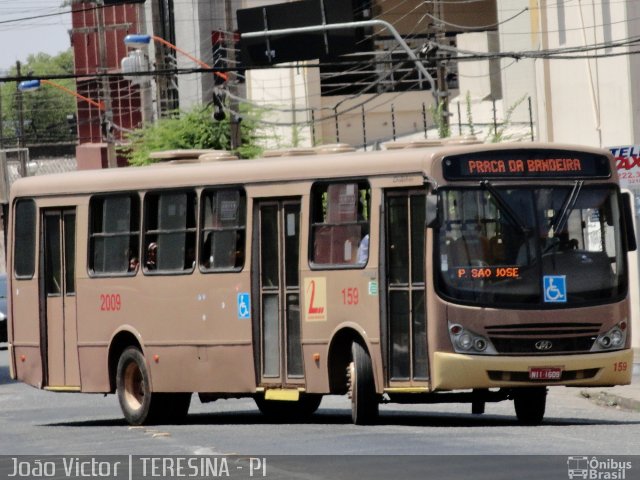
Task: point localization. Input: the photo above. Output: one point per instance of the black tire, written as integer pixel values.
(362, 388)
(139, 405)
(278, 410)
(530, 404)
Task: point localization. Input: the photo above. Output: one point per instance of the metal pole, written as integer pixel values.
(106, 88)
(364, 129)
(335, 113)
(146, 95)
(424, 119)
(234, 115)
(443, 87)
(531, 119)
(313, 128)
(495, 117)
(393, 122)
(459, 120)
(350, 25)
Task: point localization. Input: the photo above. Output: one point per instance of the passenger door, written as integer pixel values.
(58, 328)
(405, 319)
(277, 287)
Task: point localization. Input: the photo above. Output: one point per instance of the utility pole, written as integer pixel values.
(441, 72)
(232, 78)
(21, 142)
(107, 117)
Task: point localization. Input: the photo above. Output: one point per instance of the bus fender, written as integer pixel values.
(123, 337)
(339, 355)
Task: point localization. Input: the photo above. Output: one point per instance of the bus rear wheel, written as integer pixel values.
(139, 405)
(362, 388)
(530, 404)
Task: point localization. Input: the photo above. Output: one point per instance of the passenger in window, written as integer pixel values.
(239, 251)
(191, 258)
(152, 255)
(133, 261)
(363, 250)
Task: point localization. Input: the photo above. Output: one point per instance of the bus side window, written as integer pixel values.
(114, 234)
(222, 235)
(24, 247)
(340, 224)
(170, 231)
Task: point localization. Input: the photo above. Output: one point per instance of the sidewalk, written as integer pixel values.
(626, 397)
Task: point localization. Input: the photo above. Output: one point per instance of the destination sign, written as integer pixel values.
(487, 272)
(525, 164)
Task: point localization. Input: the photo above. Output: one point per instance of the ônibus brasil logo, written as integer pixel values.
(594, 468)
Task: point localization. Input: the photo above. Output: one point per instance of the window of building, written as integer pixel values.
(340, 224)
(114, 235)
(170, 231)
(24, 247)
(222, 236)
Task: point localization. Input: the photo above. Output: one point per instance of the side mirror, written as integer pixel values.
(627, 217)
(431, 210)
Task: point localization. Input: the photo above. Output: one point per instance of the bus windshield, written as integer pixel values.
(550, 246)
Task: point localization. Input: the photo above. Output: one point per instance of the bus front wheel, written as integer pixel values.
(530, 404)
(362, 388)
(139, 405)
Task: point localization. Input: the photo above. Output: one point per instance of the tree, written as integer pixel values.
(193, 129)
(46, 109)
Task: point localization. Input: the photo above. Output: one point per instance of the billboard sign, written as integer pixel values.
(628, 165)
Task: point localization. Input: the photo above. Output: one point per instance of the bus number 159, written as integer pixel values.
(350, 296)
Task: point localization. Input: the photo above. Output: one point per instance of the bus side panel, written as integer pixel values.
(25, 331)
(94, 370)
(205, 369)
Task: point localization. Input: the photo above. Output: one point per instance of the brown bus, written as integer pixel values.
(419, 275)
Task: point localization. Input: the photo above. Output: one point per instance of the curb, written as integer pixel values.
(606, 399)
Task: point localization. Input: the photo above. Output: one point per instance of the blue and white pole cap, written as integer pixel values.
(137, 40)
(28, 85)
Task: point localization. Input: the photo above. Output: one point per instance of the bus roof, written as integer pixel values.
(263, 170)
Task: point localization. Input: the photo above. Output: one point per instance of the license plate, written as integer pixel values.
(545, 373)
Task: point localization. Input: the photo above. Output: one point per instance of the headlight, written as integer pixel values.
(614, 339)
(466, 341)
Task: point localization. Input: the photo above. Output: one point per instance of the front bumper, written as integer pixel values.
(452, 371)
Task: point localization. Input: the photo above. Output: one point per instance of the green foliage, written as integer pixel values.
(193, 129)
(46, 109)
(438, 114)
(498, 135)
(472, 130)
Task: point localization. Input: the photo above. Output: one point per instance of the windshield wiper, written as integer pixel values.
(560, 220)
(505, 207)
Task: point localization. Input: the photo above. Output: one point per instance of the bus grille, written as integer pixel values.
(543, 338)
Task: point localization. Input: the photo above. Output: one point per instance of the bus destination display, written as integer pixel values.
(523, 164)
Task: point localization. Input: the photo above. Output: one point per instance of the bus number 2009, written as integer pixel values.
(110, 302)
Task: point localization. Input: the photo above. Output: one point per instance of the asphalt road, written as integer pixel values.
(35, 422)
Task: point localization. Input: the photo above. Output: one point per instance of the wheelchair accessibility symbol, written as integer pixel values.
(555, 288)
(244, 306)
